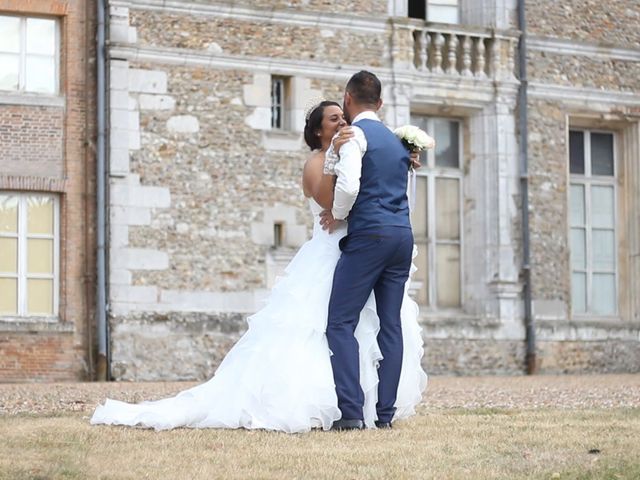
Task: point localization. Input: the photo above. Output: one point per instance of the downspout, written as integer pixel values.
(101, 307)
(88, 162)
(530, 334)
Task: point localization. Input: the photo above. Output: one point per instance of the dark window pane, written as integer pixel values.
(417, 9)
(601, 154)
(447, 143)
(276, 103)
(576, 152)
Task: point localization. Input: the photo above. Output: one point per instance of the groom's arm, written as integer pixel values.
(348, 171)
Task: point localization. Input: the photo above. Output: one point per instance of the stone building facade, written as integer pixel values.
(206, 109)
(47, 179)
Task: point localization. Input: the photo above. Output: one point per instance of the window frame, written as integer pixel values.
(282, 106)
(22, 275)
(587, 181)
(432, 172)
(22, 62)
(426, 5)
(442, 3)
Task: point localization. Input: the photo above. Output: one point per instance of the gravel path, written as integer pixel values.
(568, 391)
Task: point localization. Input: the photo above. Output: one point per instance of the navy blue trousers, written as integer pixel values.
(379, 260)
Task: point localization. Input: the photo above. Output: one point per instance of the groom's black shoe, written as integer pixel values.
(383, 425)
(344, 424)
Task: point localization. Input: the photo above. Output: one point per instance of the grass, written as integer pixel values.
(441, 444)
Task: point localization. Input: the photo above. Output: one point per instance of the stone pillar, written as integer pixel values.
(631, 149)
(493, 287)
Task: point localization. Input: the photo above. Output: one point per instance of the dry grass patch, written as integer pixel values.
(442, 444)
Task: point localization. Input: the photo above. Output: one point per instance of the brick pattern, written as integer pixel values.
(45, 141)
(31, 140)
(39, 357)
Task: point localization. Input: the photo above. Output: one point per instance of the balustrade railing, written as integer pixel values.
(453, 51)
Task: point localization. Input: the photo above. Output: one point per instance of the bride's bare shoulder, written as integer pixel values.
(315, 158)
(312, 172)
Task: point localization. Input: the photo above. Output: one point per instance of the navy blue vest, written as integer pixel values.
(382, 200)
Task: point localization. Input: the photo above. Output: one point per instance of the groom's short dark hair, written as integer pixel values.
(365, 88)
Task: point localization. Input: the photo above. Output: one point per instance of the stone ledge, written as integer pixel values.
(21, 325)
(32, 100)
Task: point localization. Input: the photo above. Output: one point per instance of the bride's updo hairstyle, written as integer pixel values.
(313, 125)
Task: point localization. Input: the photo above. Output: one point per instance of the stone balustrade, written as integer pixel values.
(459, 51)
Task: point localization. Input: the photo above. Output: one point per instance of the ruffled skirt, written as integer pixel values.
(278, 376)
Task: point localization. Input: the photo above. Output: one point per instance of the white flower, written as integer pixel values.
(415, 137)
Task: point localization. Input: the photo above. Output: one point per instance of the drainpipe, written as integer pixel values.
(530, 334)
(101, 307)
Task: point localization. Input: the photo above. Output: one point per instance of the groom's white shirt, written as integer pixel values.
(349, 169)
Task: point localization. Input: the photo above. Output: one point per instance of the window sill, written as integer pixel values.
(281, 140)
(35, 99)
(455, 318)
(35, 325)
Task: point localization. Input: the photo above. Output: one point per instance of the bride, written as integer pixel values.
(278, 376)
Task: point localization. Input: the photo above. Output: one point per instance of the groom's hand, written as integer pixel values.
(328, 222)
(343, 136)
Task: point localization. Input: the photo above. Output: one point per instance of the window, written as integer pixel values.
(437, 217)
(440, 11)
(279, 100)
(592, 212)
(29, 54)
(28, 255)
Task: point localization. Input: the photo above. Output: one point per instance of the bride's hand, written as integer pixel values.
(328, 222)
(344, 135)
(414, 158)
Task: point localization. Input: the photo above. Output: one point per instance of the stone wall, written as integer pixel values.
(611, 74)
(607, 23)
(352, 7)
(258, 38)
(548, 201)
(198, 178)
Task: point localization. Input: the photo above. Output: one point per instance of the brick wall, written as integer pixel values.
(46, 144)
(31, 140)
(46, 357)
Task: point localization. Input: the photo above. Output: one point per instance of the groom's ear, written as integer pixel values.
(379, 105)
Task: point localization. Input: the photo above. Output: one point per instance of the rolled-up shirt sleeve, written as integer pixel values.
(348, 171)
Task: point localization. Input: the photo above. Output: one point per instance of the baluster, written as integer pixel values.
(511, 60)
(466, 56)
(415, 36)
(452, 54)
(438, 42)
(480, 59)
(496, 52)
(424, 47)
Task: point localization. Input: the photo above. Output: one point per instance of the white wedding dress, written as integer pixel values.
(278, 376)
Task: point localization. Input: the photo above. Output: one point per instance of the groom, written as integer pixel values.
(371, 191)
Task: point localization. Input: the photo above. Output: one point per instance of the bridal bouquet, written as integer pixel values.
(414, 139)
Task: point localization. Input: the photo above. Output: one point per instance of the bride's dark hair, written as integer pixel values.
(314, 124)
